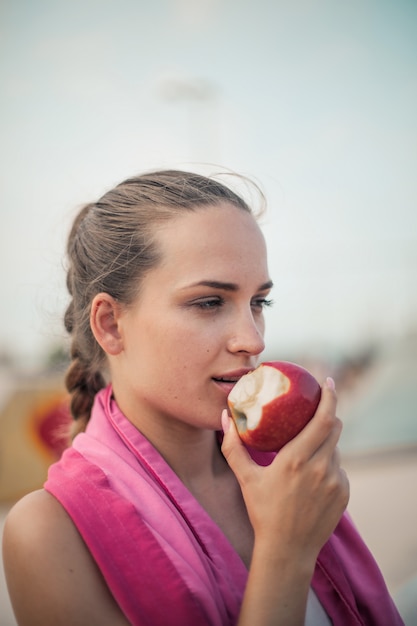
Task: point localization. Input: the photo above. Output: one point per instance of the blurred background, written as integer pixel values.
(315, 100)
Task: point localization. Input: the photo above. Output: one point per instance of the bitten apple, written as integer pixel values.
(273, 403)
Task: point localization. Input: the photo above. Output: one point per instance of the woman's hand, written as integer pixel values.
(294, 504)
(299, 498)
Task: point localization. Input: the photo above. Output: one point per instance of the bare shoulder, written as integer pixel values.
(51, 576)
(33, 515)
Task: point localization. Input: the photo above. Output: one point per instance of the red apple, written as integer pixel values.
(271, 404)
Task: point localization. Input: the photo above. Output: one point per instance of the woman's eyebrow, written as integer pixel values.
(217, 284)
(266, 286)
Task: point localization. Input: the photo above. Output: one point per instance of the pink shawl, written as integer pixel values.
(164, 560)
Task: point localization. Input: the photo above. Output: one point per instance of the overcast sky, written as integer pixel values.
(314, 99)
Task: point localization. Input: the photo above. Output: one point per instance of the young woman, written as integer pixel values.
(157, 515)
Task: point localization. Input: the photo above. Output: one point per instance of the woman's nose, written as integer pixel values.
(246, 336)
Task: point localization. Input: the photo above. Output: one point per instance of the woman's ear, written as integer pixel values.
(104, 321)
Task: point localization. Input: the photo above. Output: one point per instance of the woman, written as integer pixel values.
(153, 516)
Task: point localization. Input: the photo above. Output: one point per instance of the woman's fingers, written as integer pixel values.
(323, 428)
(235, 452)
(304, 491)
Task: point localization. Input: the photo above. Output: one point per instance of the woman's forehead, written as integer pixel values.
(209, 226)
(214, 240)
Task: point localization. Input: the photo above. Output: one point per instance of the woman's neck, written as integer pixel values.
(193, 454)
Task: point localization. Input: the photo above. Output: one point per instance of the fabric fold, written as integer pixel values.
(163, 558)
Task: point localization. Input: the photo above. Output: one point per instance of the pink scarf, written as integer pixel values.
(164, 560)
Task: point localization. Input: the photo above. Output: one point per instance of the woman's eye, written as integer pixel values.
(261, 303)
(209, 304)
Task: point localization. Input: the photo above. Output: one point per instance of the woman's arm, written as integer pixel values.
(294, 505)
(51, 576)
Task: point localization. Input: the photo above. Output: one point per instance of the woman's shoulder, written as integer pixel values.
(33, 525)
(49, 570)
(37, 506)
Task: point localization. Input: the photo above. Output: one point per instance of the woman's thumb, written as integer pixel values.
(234, 451)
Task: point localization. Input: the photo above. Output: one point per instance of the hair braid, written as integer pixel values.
(83, 385)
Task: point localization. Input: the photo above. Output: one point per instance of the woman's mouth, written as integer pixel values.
(226, 382)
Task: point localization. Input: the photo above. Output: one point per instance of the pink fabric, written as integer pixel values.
(163, 558)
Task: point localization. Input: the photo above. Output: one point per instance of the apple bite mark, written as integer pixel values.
(273, 403)
(253, 392)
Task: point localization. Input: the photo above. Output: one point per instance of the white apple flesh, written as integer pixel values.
(272, 404)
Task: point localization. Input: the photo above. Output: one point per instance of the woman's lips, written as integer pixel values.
(226, 382)
(224, 385)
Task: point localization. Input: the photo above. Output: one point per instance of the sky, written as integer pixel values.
(315, 100)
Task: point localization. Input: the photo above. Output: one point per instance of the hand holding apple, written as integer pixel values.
(273, 403)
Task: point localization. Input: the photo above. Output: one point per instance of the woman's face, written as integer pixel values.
(197, 324)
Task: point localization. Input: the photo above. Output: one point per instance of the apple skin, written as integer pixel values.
(286, 415)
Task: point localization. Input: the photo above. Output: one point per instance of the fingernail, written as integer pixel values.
(225, 421)
(330, 383)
